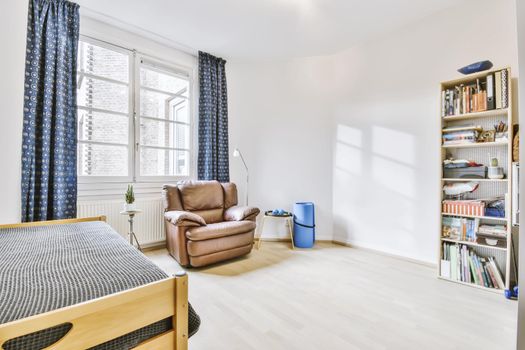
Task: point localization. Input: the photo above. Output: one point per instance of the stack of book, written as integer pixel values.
(461, 229)
(492, 235)
(460, 135)
(460, 263)
(490, 92)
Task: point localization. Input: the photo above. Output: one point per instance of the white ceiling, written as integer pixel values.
(267, 29)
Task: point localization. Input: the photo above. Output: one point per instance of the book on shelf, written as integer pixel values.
(490, 92)
(461, 229)
(460, 137)
(470, 230)
(464, 134)
(462, 128)
(465, 265)
(493, 230)
(497, 89)
(492, 235)
(481, 94)
(504, 88)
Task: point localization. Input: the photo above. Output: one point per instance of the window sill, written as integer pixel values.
(113, 190)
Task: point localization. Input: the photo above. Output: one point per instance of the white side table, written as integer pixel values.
(288, 221)
(131, 215)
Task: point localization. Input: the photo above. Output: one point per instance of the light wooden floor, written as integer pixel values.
(334, 297)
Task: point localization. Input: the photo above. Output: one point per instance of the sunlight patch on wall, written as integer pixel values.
(348, 153)
(350, 136)
(394, 176)
(393, 144)
(348, 158)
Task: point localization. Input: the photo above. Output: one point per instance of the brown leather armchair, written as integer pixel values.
(203, 223)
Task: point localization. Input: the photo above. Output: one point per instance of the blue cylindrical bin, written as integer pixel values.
(304, 224)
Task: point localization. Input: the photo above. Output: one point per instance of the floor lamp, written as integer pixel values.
(236, 154)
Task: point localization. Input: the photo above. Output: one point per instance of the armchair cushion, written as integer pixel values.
(230, 194)
(238, 213)
(184, 218)
(220, 229)
(201, 195)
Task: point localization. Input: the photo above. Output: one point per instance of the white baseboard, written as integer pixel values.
(380, 252)
(162, 244)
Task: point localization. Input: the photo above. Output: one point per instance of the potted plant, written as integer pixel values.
(494, 170)
(130, 199)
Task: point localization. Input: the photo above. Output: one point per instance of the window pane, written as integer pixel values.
(164, 134)
(160, 162)
(162, 106)
(100, 61)
(101, 94)
(102, 127)
(182, 136)
(180, 110)
(163, 81)
(102, 160)
(153, 104)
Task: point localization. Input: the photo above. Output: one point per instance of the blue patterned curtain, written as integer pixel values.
(213, 163)
(49, 143)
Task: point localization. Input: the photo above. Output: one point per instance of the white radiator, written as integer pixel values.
(148, 225)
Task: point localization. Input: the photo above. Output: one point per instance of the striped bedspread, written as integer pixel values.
(49, 267)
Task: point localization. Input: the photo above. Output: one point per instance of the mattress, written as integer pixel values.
(44, 268)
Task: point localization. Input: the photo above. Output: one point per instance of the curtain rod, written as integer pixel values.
(110, 20)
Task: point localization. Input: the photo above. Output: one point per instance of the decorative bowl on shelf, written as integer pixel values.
(476, 67)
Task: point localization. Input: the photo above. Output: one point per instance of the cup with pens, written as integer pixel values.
(501, 132)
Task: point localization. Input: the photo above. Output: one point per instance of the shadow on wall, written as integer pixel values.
(375, 187)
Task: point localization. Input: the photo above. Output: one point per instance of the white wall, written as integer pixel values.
(386, 158)
(280, 119)
(13, 22)
(357, 132)
(133, 38)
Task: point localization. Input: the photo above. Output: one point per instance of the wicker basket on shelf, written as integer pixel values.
(516, 148)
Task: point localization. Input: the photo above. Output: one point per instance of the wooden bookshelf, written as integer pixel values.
(475, 180)
(476, 115)
(481, 153)
(471, 77)
(472, 244)
(476, 217)
(478, 144)
(473, 285)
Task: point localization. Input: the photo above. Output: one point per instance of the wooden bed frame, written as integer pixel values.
(99, 320)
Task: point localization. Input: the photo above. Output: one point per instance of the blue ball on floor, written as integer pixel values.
(511, 293)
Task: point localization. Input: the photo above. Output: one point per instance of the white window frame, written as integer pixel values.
(129, 177)
(134, 118)
(177, 71)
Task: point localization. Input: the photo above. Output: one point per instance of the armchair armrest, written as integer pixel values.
(239, 213)
(184, 218)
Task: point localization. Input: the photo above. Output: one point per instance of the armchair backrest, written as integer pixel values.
(208, 199)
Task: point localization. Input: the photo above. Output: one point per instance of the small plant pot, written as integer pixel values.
(495, 172)
(130, 207)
